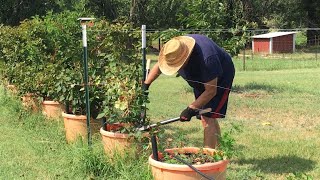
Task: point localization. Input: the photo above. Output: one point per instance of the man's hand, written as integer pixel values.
(145, 88)
(187, 114)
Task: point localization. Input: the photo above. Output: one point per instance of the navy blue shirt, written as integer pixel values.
(207, 62)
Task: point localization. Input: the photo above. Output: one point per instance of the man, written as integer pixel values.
(208, 69)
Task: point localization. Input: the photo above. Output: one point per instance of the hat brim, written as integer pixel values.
(172, 69)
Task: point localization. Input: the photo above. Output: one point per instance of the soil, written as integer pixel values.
(192, 158)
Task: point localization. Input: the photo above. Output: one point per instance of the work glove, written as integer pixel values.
(145, 88)
(188, 113)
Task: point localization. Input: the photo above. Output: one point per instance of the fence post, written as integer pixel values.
(244, 58)
(316, 45)
(252, 54)
(159, 44)
(316, 54)
(144, 46)
(144, 60)
(83, 22)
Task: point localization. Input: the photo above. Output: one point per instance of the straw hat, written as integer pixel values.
(175, 53)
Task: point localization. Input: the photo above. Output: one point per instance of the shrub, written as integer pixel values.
(46, 59)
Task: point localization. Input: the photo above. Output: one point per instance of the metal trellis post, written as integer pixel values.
(83, 22)
(144, 71)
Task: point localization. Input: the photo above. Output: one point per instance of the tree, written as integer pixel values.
(222, 21)
(109, 9)
(14, 11)
(279, 14)
(312, 8)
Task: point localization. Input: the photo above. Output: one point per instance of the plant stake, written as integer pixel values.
(144, 39)
(144, 70)
(83, 22)
(144, 110)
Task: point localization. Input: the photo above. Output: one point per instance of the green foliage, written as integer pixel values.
(109, 9)
(12, 12)
(225, 150)
(166, 35)
(46, 60)
(121, 73)
(301, 39)
(159, 14)
(227, 141)
(298, 175)
(212, 18)
(128, 165)
(41, 48)
(19, 58)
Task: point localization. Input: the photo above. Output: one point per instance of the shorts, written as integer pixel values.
(219, 102)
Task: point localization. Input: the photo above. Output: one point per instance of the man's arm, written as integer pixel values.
(207, 95)
(153, 74)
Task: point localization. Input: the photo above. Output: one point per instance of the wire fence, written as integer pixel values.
(278, 54)
(294, 49)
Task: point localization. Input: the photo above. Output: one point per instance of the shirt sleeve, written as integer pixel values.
(212, 68)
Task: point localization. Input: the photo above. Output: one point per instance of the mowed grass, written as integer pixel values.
(33, 147)
(277, 111)
(277, 62)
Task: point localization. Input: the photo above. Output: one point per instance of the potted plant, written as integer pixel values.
(122, 77)
(47, 90)
(58, 78)
(209, 161)
(70, 87)
(18, 59)
(31, 64)
(25, 60)
(25, 81)
(194, 163)
(7, 54)
(60, 39)
(123, 112)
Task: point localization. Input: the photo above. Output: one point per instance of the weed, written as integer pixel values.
(227, 141)
(299, 176)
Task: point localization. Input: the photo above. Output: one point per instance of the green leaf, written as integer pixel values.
(101, 115)
(61, 98)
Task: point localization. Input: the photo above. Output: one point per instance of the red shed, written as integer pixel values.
(274, 42)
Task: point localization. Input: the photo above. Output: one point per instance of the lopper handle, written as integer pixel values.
(170, 120)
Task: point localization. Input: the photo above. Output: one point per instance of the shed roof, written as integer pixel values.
(273, 34)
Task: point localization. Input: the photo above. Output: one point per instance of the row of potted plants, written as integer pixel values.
(43, 61)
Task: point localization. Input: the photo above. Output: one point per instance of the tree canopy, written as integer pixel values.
(162, 14)
(234, 15)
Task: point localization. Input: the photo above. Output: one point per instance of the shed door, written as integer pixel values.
(283, 44)
(261, 45)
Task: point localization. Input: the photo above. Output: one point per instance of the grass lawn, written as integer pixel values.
(33, 147)
(277, 111)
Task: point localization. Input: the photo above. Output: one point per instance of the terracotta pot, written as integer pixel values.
(30, 101)
(52, 109)
(76, 126)
(164, 171)
(114, 141)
